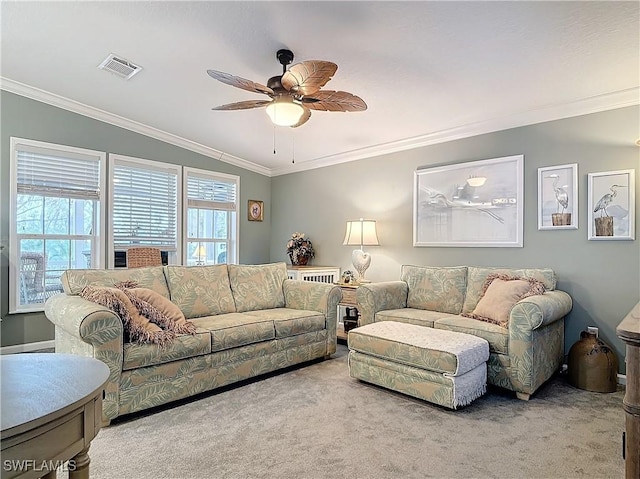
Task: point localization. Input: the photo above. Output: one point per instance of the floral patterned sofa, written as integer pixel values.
(251, 319)
(525, 351)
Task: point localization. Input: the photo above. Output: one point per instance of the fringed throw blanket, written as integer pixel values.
(469, 386)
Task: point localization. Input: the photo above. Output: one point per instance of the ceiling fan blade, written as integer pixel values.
(239, 82)
(243, 105)
(303, 119)
(329, 100)
(308, 77)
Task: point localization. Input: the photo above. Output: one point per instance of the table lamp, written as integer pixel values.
(363, 233)
(199, 254)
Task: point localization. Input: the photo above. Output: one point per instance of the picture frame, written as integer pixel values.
(558, 197)
(472, 204)
(255, 210)
(611, 205)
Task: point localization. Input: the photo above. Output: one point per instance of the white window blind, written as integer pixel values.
(44, 172)
(210, 192)
(144, 208)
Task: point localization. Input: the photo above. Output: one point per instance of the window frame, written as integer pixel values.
(97, 244)
(113, 160)
(233, 228)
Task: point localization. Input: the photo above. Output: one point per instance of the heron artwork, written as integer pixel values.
(562, 197)
(606, 200)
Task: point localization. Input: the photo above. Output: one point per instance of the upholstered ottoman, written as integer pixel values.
(443, 367)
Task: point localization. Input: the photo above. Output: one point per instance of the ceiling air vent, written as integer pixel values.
(119, 66)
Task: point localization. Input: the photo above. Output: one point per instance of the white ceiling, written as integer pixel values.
(429, 71)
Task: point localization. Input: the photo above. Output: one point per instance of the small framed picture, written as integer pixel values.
(558, 197)
(255, 211)
(611, 205)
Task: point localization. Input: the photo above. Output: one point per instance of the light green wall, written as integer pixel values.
(25, 118)
(603, 277)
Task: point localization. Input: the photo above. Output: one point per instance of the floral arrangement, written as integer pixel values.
(348, 277)
(300, 249)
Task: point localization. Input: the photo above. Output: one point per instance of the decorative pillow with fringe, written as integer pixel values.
(139, 328)
(157, 308)
(500, 294)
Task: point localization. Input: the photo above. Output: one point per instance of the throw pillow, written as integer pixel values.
(139, 328)
(171, 316)
(500, 294)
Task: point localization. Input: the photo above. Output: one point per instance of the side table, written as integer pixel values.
(629, 331)
(51, 410)
(348, 299)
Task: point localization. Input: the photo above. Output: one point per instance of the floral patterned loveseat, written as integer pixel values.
(525, 351)
(251, 319)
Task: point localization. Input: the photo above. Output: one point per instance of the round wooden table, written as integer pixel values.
(51, 410)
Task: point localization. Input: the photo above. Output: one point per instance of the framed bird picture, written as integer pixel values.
(558, 197)
(471, 204)
(612, 198)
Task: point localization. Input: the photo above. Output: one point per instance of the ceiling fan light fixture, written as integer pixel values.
(284, 111)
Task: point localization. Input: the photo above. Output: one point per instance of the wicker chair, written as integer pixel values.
(141, 257)
(33, 287)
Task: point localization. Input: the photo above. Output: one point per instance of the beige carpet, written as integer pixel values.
(316, 422)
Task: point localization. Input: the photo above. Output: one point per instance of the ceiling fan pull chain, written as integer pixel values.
(274, 139)
(293, 148)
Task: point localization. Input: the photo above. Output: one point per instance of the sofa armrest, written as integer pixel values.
(374, 297)
(316, 296)
(540, 310)
(80, 323)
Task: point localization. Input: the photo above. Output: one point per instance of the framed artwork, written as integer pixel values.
(478, 203)
(558, 197)
(612, 198)
(255, 210)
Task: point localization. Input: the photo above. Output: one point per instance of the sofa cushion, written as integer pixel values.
(183, 346)
(291, 322)
(257, 286)
(497, 336)
(435, 289)
(74, 280)
(477, 278)
(501, 294)
(236, 329)
(421, 317)
(200, 290)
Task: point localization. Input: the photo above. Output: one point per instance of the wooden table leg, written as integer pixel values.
(79, 468)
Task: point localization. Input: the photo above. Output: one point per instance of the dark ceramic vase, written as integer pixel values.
(593, 365)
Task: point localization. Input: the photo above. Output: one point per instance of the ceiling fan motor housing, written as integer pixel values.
(285, 57)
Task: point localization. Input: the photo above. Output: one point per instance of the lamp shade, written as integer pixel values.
(284, 111)
(361, 232)
(200, 252)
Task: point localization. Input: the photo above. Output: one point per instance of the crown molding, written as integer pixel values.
(585, 106)
(101, 115)
(595, 104)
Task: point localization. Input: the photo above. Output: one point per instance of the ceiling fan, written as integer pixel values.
(294, 93)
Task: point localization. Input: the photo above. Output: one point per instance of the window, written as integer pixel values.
(143, 206)
(56, 218)
(211, 217)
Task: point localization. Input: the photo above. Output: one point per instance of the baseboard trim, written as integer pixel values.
(27, 347)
